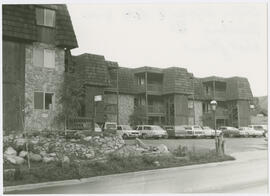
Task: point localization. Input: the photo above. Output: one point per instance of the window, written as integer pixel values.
(45, 17)
(190, 104)
(38, 100)
(43, 100)
(48, 100)
(44, 57)
(147, 128)
(49, 58)
(139, 128)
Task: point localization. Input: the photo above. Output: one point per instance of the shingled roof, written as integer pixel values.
(177, 80)
(238, 88)
(19, 22)
(126, 80)
(92, 69)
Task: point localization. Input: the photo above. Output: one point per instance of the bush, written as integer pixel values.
(181, 151)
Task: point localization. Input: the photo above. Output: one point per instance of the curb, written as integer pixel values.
(98, 178)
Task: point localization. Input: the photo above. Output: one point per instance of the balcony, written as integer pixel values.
(219, 95)
(153, 89)
(156, 109)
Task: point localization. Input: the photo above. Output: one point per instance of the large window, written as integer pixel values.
(45, 17)
(44, 57)
(43, 101)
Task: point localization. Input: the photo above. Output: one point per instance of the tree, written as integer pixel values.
(72, 93)
(138, 116)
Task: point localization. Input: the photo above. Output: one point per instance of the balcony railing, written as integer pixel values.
(155, 109)
(154, 87)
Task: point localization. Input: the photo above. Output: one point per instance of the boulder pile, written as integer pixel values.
(49, 149)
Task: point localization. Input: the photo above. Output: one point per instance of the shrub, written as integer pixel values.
(181, 151)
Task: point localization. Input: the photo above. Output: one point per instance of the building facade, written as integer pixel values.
(170, 96)
(37, 40)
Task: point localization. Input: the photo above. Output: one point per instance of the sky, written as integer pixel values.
(205, 38)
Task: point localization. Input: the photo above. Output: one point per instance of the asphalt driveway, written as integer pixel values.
(232, 145)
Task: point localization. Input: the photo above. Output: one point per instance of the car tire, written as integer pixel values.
(144, 136)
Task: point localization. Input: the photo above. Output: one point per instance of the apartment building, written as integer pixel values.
(170, 96)
(37, 40)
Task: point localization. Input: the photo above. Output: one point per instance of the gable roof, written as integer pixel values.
(19, 22)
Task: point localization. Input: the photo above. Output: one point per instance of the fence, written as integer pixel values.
(79, 123)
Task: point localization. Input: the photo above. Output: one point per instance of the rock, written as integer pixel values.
(162, 148)
(20, 142)
(141, 144)
(10, 151)
(43, 153)
(19, 160)
(23, 154)
(53, 154)
(14, 159)
(87, 138)
(90, 156)
(34, 141)
(48, 159)
(35, 157)
(65, 160)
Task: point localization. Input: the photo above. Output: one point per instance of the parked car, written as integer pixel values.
(170, 130)
(229, 131)
(198, 131)
(184, 131)
(260, 130)
(245, 132)
(109, 127)
(151, 131)
(209, 132)
(127, 132)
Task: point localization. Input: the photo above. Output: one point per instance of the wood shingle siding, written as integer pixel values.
(176, 80)
(126, 81)
(19, 23)
(92, 70)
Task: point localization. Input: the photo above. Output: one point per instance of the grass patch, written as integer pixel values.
(115, 163)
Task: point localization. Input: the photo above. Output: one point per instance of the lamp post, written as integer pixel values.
(213, 104)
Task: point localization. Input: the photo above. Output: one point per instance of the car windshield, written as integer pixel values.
(156, 128)
(127, 127)
(188, 128)
(96, 126)
(206, 127)
(258, 127)
(197, 127)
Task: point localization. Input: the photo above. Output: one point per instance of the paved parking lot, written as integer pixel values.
(232, 145)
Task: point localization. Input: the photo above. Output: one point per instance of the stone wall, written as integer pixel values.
(198, 112)
(126, 108)
(43, 79)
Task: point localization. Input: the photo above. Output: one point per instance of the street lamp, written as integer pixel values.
(213, 104)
